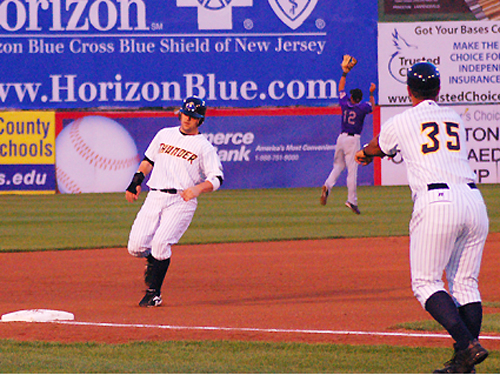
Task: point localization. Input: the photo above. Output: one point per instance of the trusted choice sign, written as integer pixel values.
(467, 53)
(215, 14)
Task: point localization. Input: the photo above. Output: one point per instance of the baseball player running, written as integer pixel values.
(354, 112)
(183, 164)
(449, 223)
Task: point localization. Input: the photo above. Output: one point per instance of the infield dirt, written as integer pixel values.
(335, 285)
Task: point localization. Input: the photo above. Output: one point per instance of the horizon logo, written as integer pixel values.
(74, 15)
(215, 14)
(293, 13)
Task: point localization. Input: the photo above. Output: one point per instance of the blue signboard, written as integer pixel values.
(61, 54)
(27, 178)
(258, 148)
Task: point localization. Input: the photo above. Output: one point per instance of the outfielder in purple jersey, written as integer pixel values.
(354, 111)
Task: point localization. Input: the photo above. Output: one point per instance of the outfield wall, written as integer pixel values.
(259, 148)
(117, 56)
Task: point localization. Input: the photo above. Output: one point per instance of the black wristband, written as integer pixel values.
(136, 181)
(344, 74)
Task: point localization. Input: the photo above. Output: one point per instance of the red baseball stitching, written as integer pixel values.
(94, 159)
(63, 179)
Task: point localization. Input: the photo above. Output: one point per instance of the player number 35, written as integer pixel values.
(432, 130)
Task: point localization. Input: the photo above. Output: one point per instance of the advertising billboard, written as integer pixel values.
(27, 152)
(152, 54)
(429, 10)
(258, 148)
(482, 129)
(467, 54)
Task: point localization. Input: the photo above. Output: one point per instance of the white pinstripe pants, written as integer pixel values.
(345, 149)
(448, 231)
(159, 224)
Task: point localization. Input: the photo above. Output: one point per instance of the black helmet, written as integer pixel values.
(194, 107)
(423, 78)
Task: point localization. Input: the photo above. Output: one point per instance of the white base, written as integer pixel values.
(38, 315)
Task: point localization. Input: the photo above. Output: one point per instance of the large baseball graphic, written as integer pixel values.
(95, 154)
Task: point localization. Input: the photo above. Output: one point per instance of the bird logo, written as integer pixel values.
(403, 49)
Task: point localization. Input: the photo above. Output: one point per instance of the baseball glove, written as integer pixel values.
(348, 63)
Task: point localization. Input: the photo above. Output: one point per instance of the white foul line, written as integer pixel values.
(266, 330)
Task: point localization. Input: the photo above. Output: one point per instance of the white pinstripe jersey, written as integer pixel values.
(181, 161)
(431, 140)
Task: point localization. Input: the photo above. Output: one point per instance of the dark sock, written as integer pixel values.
(472, 315)
(442, 308)
(158, 272)
(148, 271)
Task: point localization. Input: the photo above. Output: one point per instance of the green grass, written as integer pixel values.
(65, 221)
(222, 357)
(491, 324)
(492, 304)
(47, 222)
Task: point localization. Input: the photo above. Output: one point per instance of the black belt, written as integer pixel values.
(442, 185)
(350, 134)
(168, 191)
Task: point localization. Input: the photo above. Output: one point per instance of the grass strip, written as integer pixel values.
(83, 221)
(222, 357)
(491, 324)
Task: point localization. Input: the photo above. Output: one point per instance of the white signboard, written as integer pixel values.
(467, 54)
(482, 125)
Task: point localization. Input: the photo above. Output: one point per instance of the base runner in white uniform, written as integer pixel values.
(183, 164)
(449, 223)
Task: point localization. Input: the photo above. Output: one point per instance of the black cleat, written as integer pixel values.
(464, 361)
(451, 368)
(475, 354)
(353, 207)
(152, 298)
